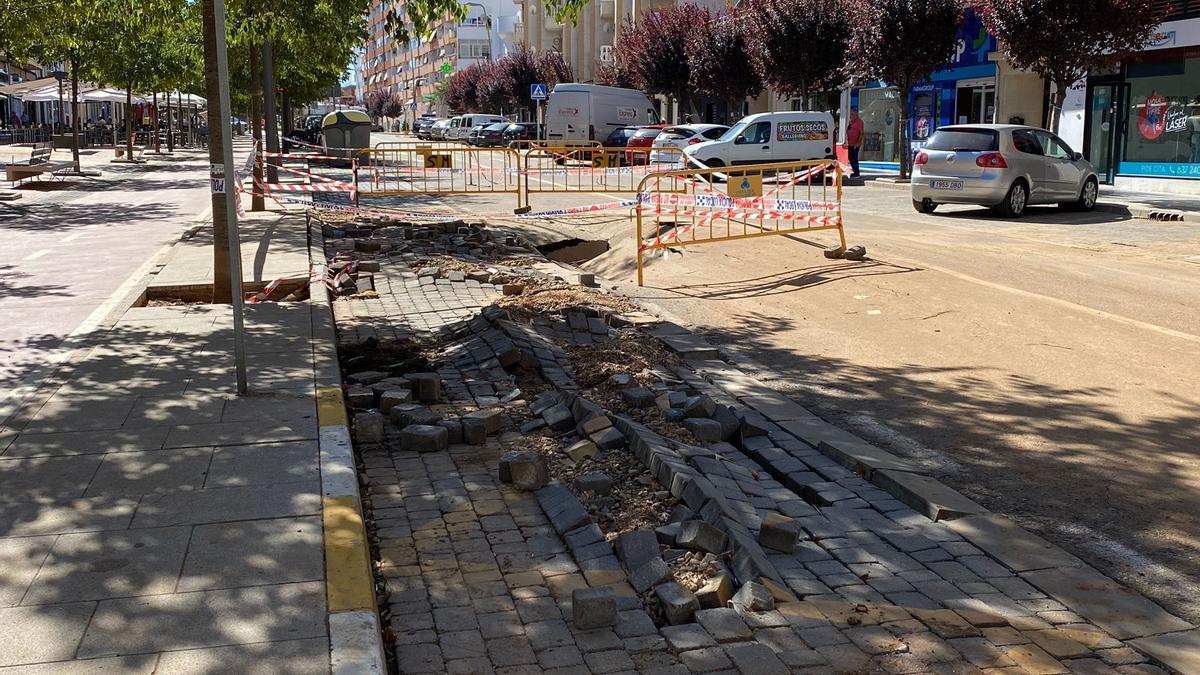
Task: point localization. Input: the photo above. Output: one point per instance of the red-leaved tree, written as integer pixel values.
(902, 42)
(718, 53)
(799, 47)
(522, 68)
(655, 49)
(616, 74)
(1062, 40)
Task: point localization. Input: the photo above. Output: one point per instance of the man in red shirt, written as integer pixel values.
(854, 138)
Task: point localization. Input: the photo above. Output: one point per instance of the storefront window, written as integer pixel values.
(1163, 136)
(880, 113)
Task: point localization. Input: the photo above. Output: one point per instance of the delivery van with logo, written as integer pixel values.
(794, 136)
(590, 112)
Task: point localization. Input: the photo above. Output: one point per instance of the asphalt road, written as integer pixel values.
(68, 246)
(1048, 367)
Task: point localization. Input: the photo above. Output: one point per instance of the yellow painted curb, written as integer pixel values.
(348, 580)
(330, 409)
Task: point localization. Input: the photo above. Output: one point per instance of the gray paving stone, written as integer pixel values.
(594, 608)
(687, 636)
(548, 634)
(58, 627)
(652, 573)
(637, 547)
(187, 620)
(706, 660)
(724, 624)
(634, 623)
(1013, 546)
(559, 657)
(756, 658)
(253, 553)
(1116, 609)
(302, 657)
(419, 658)
(678, 603)
(228, 504)
(611, 661)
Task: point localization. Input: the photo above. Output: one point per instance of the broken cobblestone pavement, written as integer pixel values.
(559, 482)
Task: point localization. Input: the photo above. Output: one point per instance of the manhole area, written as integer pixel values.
(573, 251)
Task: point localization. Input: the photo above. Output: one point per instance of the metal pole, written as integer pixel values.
(268, 65)
(235, 247)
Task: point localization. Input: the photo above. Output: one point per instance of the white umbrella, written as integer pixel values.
(106, 96)
(42, 95)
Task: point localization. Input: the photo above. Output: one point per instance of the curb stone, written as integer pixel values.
(355, 632)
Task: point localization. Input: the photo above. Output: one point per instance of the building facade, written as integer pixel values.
(1139, 123)
(416, 70)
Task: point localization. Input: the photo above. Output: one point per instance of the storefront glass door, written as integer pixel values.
(976, 103)
(1102, 127)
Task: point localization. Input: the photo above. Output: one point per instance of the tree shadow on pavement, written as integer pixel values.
(110, 547)
(788, 281)
(1094, 480)
(56, 217)
(11, 286)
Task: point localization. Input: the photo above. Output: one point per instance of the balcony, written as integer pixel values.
(608, 9)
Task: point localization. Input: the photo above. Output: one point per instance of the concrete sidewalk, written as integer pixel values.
(151, 521)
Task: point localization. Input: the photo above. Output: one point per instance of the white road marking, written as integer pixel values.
(873, 312)
(861, 297)
(72, 237)
(35, 255)
(1099, 313)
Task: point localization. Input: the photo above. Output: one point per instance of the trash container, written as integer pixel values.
(346, 131)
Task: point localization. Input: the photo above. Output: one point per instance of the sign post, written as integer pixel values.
(537, 92)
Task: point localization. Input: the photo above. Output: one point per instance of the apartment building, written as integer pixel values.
(416, 69)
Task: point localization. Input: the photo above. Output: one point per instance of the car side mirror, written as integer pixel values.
(1076, 156)
(739, 140)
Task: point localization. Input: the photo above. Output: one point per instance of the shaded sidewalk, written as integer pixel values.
(149, 518)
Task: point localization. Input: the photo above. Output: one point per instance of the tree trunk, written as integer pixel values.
(1056, 104)
(287, 114)
(904, 151)
(170, 126)
(218, 120)
(256, 202)
(129, 122)
(154, 125)
(74, 110)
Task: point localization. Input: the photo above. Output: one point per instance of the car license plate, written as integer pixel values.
(946, 184)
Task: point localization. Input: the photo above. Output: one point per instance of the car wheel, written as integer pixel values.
(926, 205)
(1088, 195)
(1015, 201)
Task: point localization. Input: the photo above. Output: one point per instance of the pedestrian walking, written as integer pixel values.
(854, 139)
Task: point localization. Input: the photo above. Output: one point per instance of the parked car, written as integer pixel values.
(523, 131)
(619, 137)
(491, 135)
(461, 126)
(422, 126)
(682, 136)
(309, 132)
(792, 136)
(437, 132)
(238, 125)
(587, 112)
(644, 138)
(473, 134)
(1003, 166)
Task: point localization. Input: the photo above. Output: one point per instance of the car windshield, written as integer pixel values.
(677, 132)
(964, 140)
(733, 132)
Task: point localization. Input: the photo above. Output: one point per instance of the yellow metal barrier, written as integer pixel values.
(686, 206)
(530, 144)
(594, 169)
(432, 169)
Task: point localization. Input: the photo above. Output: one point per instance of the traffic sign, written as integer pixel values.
(412, 106)
(537, 92)
(446, 68)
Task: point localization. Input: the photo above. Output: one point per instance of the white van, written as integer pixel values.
(769, 137)
(590, 112)
(461, 126)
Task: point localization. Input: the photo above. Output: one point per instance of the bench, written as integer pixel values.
(39, 163)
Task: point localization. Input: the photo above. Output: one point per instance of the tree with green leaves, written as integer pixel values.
(655, 47)
(798, 47)
(718, 54)
(902, 42)
(1063, 40)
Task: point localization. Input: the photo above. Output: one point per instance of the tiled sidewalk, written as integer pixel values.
(151, 519)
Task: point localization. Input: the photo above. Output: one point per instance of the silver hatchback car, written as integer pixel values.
(1005, 166)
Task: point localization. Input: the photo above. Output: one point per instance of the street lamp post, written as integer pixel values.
(487, 20)
(59, 73)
